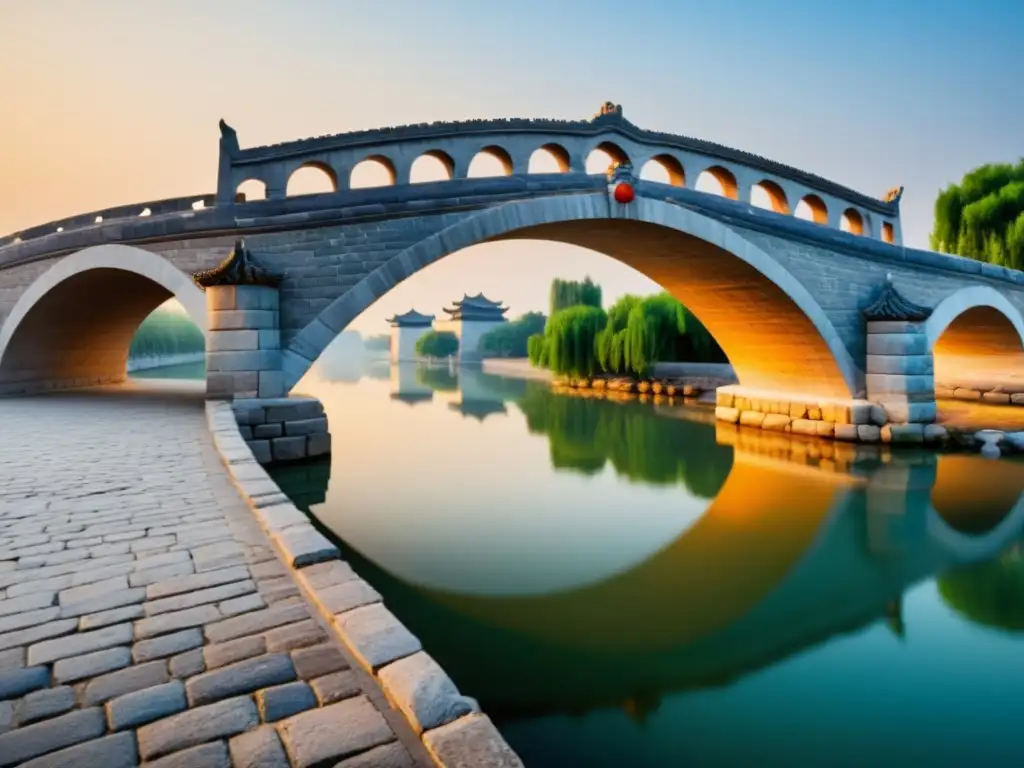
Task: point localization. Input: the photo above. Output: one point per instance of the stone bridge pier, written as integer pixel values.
(243, 362)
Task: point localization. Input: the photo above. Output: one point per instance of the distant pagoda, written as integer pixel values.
(477, 309)
(406, 330)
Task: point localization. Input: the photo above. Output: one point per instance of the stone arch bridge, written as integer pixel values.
(833, 327)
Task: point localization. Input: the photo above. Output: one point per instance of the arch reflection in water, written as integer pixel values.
(670, 556)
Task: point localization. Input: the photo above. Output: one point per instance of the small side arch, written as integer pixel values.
(312, 178)
(486, 156)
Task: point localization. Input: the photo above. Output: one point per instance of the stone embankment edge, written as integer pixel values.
(453, 729)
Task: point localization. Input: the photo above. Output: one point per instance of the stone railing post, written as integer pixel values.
(900, 373)
(243, 342)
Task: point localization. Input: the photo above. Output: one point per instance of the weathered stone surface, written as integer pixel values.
(304, 545)
(199, 597)
(187, 664)
(281, 701)
(106, 618)
(45, 703)
(176, 620)
(298, 635)
(336, 686)
(91, 664)
(318, 660)
(243, 604)
(470, 741)
(31, 635)
(221, 654)
(260, 748)
(78, 644)
(324, 575)
(50, 735)
(140, 707)
(376, 636)
(18, 682)
(30, 602)
(115, 751)
(102, 602)
(312, 738)
(195, 726)
(256, 621)
(423, 692)
(126, 680)
(392, 755)
(242, 677)
(197, 581)
(213, 755)
(347, 595)
(12, 658)
(166, 645)
(281, 516)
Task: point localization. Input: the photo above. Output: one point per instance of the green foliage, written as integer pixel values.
(166, 332)
(569, 336)
(990, 593)
(437, 344)
(585, 434)
(983, 216)
(569, 293)
(381, 343)
(537, 350)
(512, 339)
(440, 379)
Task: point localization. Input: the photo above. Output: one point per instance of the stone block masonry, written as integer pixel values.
(243, 347)
(283, 428)
(144, 614)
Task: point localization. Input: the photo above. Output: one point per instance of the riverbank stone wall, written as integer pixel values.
(283, 428)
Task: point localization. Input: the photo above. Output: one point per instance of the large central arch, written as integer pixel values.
(777, 336)
(73, 325)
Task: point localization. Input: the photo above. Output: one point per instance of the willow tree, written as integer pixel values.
(569, 336)
(982, 217)
(570, 293)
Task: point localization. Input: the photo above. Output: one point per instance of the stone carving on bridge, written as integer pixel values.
(622, 181)
(893, 195)
(892, 306)
(239, 268)
(609, 111)
(228, 137)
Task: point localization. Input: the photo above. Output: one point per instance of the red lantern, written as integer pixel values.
(624, 193)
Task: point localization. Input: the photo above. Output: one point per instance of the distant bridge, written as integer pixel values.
(785, 297)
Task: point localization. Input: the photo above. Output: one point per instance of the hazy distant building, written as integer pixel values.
(470, 319)
(406, 330)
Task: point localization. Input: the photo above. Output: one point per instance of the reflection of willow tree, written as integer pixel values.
(586, 433)
(989, 593)
(439, 379)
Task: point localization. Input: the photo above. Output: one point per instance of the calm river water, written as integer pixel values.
(623, 584)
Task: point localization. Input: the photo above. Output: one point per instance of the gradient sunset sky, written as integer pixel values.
(112, 102)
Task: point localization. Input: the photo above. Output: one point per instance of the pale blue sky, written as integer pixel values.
(114, 101)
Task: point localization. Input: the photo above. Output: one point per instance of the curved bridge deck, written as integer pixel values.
(143, 612)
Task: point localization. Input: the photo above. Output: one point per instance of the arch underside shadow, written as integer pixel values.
(981, 348)
(775, 334)
(74, 325)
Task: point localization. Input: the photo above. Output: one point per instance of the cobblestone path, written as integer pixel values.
(144, 618)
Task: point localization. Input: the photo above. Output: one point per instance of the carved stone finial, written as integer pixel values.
(620, 172)
(228, 137)
(890, 305)
(609, 111)
(893, 195)
(239, 268)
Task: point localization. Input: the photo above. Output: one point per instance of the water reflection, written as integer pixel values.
(585, 556)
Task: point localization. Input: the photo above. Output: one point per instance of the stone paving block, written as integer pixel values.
(269, 570)
(91, 664)
(173, 621)
(140, 707)
(45, 703)
(192, 582)
(25, 619)
(18, 682)
(313, 738)
(6, 716)
(39, 632)
(152, 542)
(376, 636)
(78, 644)
(50, 735)
(160, 573)
(281, 701)
(242, 677)
(470, 741)
(323, 575)
(305, 545)
(392, 755)
(346, 596)
(195, 726)
(221, 654)
(213, 755)
(256, 621)
(298, 635)
(281, 516)
(336, 687)
(318, 660)
(114, 684)
(260, 748)
(199, 597)
(187, 664)
(12, 658)
(87, 591)
(28, 602)
(112, 616)
(103, 602)
(423, 692)
(167, 645)
(116, 751)
(276, 590)
(20, 586)
(239, 605)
